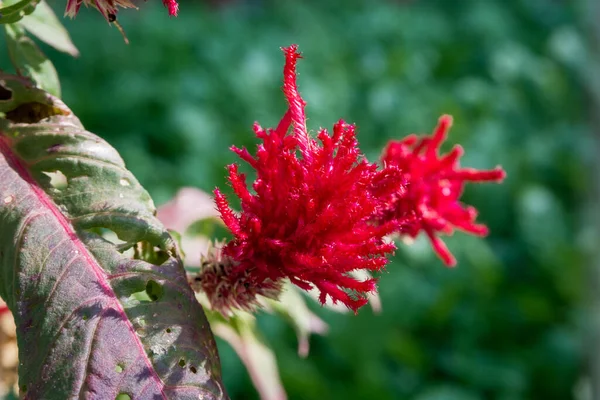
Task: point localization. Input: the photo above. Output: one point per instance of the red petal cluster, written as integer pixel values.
(310, 218)
(319, 210)
(433, 183)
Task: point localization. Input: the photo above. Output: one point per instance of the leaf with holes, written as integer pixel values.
(93, 279)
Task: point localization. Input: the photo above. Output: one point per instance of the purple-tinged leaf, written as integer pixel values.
(95, 318)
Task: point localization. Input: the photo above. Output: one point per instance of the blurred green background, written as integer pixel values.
(506, 323)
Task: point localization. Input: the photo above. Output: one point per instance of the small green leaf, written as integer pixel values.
(14, 12)
(28, 59)
(44, 24)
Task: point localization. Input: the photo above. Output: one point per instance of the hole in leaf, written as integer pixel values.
(119, 368)
(111, 236)
(58, 180)
(193, 369)
(141, 296)
(154, 290)
(5, 94)
(33, 112)
(123, 396)
(168, 330)
(84, 317)
(123, 247)
(182, 363)
(148, 252)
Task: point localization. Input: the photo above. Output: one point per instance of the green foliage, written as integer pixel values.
(12, 11)
(501, 325)
(79, 241)
(28, 60)
(44, 24)
(25, 56)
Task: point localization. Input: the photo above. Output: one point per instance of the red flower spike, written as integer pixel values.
(310, 218)
(429, 200)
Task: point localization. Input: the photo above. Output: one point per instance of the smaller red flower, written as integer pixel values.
(310, 216)
(109, 8)
(433, 184)
(172, 6)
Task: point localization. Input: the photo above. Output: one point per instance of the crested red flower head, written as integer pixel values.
(433, 183)
(109, 8)
(309, 217)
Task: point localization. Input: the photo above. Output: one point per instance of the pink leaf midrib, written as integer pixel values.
(102, 278)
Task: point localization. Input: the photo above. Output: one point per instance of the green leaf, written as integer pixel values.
(14, 12)
(44, 24)
(95, 317)
(29, 60)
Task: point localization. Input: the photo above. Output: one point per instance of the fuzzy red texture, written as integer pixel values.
(429, 201)
(4, 309)
(310, 216)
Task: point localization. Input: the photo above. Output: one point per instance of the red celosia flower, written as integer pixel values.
(429, 200)
(108, 8)
(310, 218)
